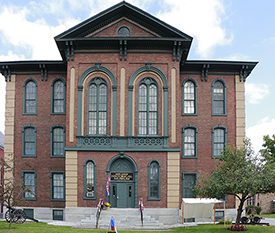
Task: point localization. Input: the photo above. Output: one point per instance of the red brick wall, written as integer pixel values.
(204, 122)
(1, 173)
(112, 31)
(142, 160)
(43, 164)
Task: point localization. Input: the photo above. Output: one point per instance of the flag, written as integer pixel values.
(108, 187)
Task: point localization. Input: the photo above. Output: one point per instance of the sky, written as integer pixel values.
(221, 30)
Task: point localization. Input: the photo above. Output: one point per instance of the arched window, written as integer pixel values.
(219, 141)
(30, 97)
(154, 181)
(189, 142)
(218, 98)
(124, 31)
(89, 179)
(29, 141)
(148, 107)
(58, 97)
(189, 97)
(58, 141)
(97, 107)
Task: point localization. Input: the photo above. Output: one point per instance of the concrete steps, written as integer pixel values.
(130, 218)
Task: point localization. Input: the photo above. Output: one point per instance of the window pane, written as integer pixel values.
(219, 142)
(189, 142)
(189, 98)
(189, 182)
(30, 97)
(90, 179)
(147, 107)
(154, 180)
(29, 185)
(58, 141)
(218, 98)
(59, 97)
(97, 107)
(58, 186)
(29, 141)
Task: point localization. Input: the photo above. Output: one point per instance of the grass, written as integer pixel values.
(44, 228)
(268, 215)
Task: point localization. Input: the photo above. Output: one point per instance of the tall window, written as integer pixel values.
(89, 180)
(218, 98)
(29, 141)
(58, 185)
(154, 181)
(189, 98)
(189, 142)
(58, 97)
(58, 141)
(147, 107)
(97, 107)
(29, 185)
(218, 141)
(189, 182)
(30, 97)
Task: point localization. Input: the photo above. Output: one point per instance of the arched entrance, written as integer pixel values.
(122, 171)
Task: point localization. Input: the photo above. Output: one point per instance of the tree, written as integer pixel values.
(269, 148)
(11, 192)
(239, 173)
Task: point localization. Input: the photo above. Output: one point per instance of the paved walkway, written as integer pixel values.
(271, 221)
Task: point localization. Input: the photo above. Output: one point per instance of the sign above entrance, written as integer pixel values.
(122, 176)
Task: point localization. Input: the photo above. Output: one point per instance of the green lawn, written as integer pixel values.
(44, 228)
(268, 215)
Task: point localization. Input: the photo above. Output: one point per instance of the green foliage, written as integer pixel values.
(269, 148)
(239, 173)
(226, 222)
(252, 210)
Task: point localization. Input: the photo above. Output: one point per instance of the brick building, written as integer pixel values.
(126, 105)
(1, 175)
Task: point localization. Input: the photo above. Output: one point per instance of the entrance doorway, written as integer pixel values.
(122, 187)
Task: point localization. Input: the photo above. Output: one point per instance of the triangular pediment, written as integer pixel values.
(112, 30)
(143, 23)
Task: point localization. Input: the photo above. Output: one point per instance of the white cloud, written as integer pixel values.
(36, 36)
(200, 19)
(256, 132)
(256, 92)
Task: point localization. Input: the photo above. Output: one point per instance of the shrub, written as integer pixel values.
(237, 227)
(252, 210)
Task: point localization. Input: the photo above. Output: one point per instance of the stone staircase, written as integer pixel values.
(130, 219)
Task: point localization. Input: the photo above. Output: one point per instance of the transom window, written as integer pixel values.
(29, 137)
(29, 185)
(189, 97)
(30, 97)
(147, 107)
(154, 181)
(58, 97)
(218, 141)
(189, 182)
(58, 140)
(97, 107)
(58, 186)
(90, 179)
(189, 142)
(218, 98)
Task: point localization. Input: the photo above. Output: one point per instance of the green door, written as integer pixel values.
(122, 188)
(122, 195)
